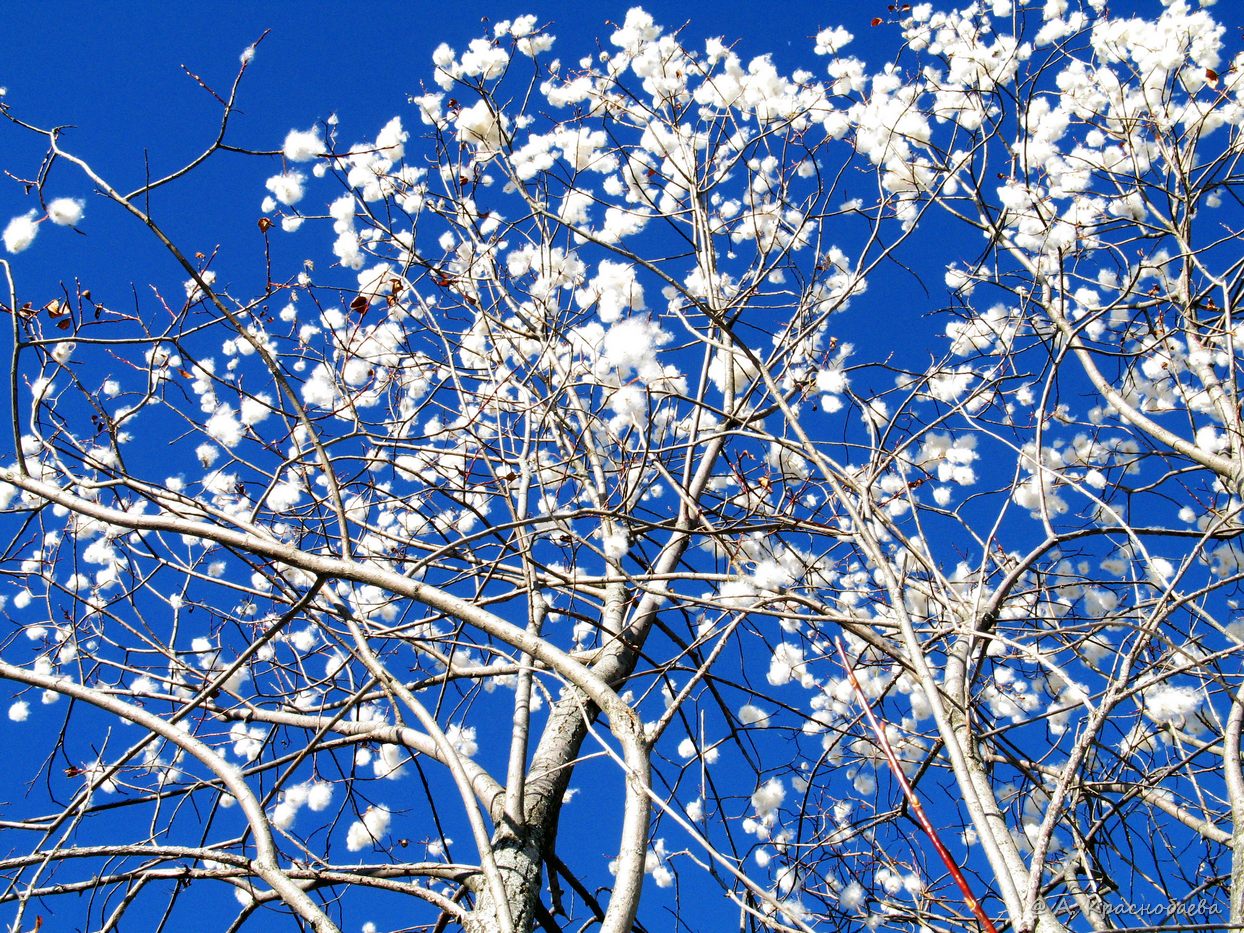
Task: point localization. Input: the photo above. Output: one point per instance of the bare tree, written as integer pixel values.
(585, 525)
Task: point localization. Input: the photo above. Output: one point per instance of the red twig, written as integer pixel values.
(921, 818)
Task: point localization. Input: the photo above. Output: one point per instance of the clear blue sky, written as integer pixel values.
(114, 71)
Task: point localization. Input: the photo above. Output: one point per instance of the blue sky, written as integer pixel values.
(118, 81)
(117, 76)
(115, 73)
(114, 70)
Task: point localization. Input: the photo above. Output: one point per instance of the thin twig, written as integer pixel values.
(916, 808)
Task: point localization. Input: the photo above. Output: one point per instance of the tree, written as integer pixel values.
(555, 514)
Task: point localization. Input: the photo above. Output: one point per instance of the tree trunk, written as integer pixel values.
(518, 860)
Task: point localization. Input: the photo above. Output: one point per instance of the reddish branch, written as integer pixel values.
(921, 817)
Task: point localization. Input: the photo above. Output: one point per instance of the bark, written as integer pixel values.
(519, 861)
(519, 850)
(1235, 790)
